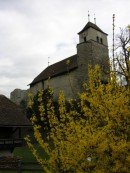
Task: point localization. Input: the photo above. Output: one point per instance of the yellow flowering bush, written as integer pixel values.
(90, 134)
(37, 110)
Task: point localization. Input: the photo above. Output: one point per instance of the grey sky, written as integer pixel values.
(33, 30)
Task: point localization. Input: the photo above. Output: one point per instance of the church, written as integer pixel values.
(69, 74)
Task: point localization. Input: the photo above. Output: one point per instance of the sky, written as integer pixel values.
(35, 32)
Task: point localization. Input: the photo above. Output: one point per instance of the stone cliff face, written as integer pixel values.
(18, 95)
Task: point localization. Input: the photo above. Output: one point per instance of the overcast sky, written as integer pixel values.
(33, 30)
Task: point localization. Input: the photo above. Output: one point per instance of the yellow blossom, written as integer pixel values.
(68, 62)
(90, 134)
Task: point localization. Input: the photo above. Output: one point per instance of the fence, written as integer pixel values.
(8, 143)
(20, 167)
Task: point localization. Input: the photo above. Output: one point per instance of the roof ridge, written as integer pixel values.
(56, 68)
(91, 25)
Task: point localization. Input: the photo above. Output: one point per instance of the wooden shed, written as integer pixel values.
(12, 124)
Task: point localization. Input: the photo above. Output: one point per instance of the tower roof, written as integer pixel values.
(91, 25)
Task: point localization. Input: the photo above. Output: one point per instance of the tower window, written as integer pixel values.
(97, 39)
(84, 39)
(101, 40)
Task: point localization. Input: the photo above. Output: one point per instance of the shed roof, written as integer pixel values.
(57, 69)
(91, 25)
(11, 114)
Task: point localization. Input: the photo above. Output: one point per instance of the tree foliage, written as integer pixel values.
(93, 137)
(34, 106)
(122, 59)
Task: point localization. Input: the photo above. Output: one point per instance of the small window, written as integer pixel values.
(84, 39)
(97, 39)
(101, 40)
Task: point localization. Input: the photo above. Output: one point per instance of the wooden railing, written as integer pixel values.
(14, 142)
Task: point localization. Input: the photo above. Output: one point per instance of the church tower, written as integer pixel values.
(92, 49)
(92, 32)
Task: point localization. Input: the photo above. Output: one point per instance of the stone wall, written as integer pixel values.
(92, 53)
(65, 82)
(38, 86)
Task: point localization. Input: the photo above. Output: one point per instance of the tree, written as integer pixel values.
(35, 108)
(122, 59)
(95, 138)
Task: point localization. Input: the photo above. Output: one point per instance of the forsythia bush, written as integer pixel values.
(92, 136)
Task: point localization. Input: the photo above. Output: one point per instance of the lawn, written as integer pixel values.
(27, 156)
(24, 153)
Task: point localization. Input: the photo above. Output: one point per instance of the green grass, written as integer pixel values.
(27, 156)
(24, 153)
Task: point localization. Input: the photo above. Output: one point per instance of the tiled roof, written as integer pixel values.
(11, 114)
(91, 25)
(57, 69)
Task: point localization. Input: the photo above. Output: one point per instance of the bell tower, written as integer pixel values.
(92, 50)
(92, 32)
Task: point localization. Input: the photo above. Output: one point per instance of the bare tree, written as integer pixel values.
(122, 57)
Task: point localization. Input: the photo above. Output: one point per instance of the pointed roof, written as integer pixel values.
(56, 69)
(91, 25)
(11, 114)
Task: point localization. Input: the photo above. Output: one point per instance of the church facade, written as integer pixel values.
(69, 74)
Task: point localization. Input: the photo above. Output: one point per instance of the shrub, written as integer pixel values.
(92, 137)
